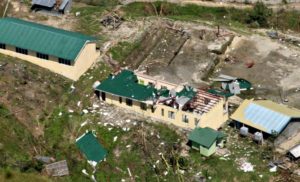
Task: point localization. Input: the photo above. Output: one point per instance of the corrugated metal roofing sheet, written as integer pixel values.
(270, 120)
(265, 115)
(41, 38)
(295, 151)
(91, 148)
(63, 4)
(205, 136)
(125, 84)
(47, 3)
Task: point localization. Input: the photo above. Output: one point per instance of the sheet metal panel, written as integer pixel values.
(266, 118)
(47, 3)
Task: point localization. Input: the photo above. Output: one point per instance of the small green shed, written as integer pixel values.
(91, 148)
(205, 140)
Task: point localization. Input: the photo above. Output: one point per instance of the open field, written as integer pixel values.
(42, 113)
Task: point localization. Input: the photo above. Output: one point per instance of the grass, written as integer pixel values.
(231, 17)
(122, 50)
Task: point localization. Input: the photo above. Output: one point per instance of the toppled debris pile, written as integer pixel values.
(114, 21)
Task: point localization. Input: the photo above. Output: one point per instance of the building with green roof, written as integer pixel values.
(181, 105)
(205, 140)
(91, 148)
(64, 52)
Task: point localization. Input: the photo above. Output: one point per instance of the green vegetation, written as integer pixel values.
(99, 2)
(258, 17)
(122, 50)
(89, 22)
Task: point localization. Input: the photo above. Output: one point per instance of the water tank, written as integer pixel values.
(96, 84)
(258, 136)
(244, 131)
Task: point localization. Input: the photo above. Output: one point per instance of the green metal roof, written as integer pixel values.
(220, 93)
(41, 38)
(244, 84)
(187, 91)
(205, 136)
(126, 84)
(91, 148)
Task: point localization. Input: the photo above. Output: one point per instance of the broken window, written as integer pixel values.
(129, 102)
(185, 118)
(2, 46)
(143, 106)
(22, 51)
(171, 115)
(120, 100)
(196, 121)
(64, 61)
(162, 112)
(42, 56)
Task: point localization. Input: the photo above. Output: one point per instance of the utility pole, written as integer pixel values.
(6, 7)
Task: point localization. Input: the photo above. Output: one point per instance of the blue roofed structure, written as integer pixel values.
(265, 115)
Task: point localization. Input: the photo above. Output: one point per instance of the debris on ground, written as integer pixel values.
(59, 168)
(244, 165)
(112, 20)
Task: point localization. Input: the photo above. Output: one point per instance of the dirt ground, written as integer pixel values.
(274, 73)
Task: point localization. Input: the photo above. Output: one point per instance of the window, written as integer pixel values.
(129, 102)
(171, 115)
(42, 56)
(103, 96)
(22, 51)
(185, 119)
(64, 61)
(120, 100)
(143, 106)
(2, 46)
(162, 112)
(197, 121)
(152, 109)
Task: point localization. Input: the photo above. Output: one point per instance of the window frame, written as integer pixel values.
(185, 118)
(143, 106)
(2, 46)
(65, 61)
(171, 114)
(21, 50)
(42, 56)
(129, 102)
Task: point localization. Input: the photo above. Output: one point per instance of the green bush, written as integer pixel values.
(259, 15)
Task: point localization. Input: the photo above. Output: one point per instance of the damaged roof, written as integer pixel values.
(126, 84)
(205, 136)
(43, 39)
(265, 115)
(46, 3)
(91, 148)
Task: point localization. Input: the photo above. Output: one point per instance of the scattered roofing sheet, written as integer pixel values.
(220, 93)
(224, 78)
(64, 4)
(46, 3)
(205, 136)
(57, 169)
(42, 39)
(295, 151)
(126, 84)
(91, 148)
(265, 115)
